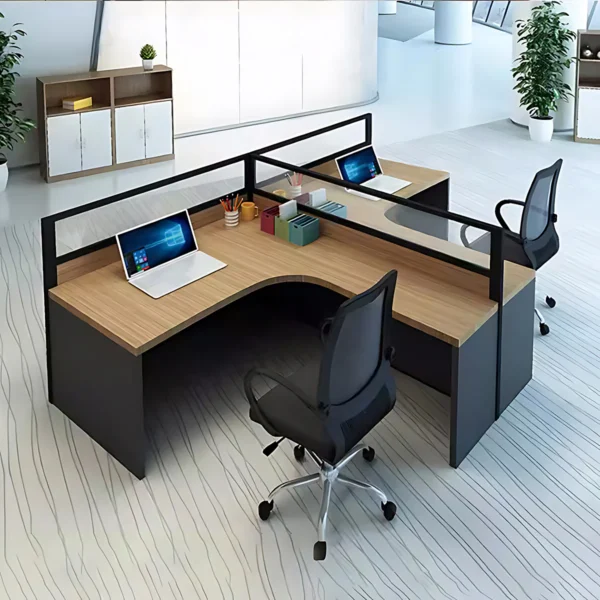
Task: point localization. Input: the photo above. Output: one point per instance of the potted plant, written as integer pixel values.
(540, 68)
(12, 127)
(148, 54)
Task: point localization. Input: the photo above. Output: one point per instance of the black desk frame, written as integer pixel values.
(471, 374)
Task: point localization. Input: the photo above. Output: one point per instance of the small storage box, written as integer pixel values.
(303, 230)
(267, 219)
(335, 208)
(282, 229)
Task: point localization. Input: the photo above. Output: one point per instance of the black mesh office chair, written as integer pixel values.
(329, 406)
(537, 242)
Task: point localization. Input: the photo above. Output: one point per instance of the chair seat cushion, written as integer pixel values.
(292, 419)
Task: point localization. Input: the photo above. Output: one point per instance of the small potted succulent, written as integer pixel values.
(148, 54)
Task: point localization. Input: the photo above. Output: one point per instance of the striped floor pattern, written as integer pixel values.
(518, 520)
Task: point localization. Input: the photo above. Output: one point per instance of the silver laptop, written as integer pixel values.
(162, 256)
(363, 168)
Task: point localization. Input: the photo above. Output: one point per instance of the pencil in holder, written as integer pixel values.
(267, 219)
(303, 230)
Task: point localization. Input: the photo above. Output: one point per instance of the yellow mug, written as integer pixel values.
(249, 211)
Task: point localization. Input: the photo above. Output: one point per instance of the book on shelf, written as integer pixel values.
(77, 103)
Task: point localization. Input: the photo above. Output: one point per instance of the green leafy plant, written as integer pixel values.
(148, 52)
(539, 70)
(12, 127)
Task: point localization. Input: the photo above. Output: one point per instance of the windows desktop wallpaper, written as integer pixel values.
(359, 167)
(156, 243)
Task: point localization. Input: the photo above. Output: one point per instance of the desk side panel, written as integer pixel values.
(99, 386)
(473, 400)
(517, 345)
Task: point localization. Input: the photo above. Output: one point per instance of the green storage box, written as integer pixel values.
(282, 229)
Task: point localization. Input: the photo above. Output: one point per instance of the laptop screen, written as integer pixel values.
(156, 243)
(359, 166)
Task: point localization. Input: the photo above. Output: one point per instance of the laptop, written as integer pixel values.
(162, 256)
(363, 168)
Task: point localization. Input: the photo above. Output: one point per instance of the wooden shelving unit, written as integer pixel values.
(587, 90)
(111, 91)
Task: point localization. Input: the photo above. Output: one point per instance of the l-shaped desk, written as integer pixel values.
(446, 328)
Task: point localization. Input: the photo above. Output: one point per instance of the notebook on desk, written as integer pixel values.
(162, 256)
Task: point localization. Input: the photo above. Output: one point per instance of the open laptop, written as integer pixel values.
(162, 256)
(363, 168)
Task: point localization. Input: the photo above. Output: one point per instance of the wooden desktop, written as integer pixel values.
(445, 329)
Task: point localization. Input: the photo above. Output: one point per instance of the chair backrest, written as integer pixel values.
(357, 339)
(538, 213)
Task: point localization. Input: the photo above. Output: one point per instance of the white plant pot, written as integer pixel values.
(540, 130)
(3, 176)
(147, 65)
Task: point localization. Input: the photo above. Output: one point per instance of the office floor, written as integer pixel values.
(520, 519)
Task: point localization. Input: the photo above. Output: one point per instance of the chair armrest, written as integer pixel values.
(326, 328)
(280, 380)
(499, 211)
(463, 236)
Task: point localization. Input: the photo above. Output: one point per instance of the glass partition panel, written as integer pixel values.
(320, 146)
(91, 226)
(433, 232)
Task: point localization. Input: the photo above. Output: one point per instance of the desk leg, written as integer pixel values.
(99, 386)
(473, 397)
(517, 345)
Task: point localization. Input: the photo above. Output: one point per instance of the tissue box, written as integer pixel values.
(267, 219)
(303, 230)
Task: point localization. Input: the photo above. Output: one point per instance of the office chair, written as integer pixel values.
(327, 407)
(537, 242)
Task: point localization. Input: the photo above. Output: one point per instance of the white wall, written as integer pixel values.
(236, 62)
(59, 40)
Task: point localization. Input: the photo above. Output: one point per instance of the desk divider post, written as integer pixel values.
(497, 294)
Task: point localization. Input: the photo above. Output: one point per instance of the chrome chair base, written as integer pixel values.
(328, 475)
(544, 328)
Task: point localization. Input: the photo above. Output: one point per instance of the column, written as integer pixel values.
(577, 19)
(453, 22)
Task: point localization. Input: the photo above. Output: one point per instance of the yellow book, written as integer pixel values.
(77, 103)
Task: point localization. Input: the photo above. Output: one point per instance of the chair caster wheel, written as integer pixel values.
(551, 302)
(389, 510)
(544, 329)
(320, 551)
(299, 452)
(264, 509)
(368, 454)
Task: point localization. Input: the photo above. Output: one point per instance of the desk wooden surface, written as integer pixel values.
(440, 299)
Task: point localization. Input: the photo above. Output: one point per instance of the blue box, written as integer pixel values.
(303, 230)
(335, 208)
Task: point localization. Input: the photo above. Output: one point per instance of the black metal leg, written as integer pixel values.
(473, 399)
(99, 386)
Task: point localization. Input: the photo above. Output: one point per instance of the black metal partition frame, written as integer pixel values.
(495, 272)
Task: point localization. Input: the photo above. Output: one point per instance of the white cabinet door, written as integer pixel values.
(129, 133)
(96, 140)
(588, 111)
(64, 145)
(159, 129)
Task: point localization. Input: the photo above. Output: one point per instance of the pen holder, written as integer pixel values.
(267, 219)
(295, 190)
(232, 218)
(282, 229)
(303, 230)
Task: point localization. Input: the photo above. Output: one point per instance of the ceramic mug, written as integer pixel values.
(249, 211)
